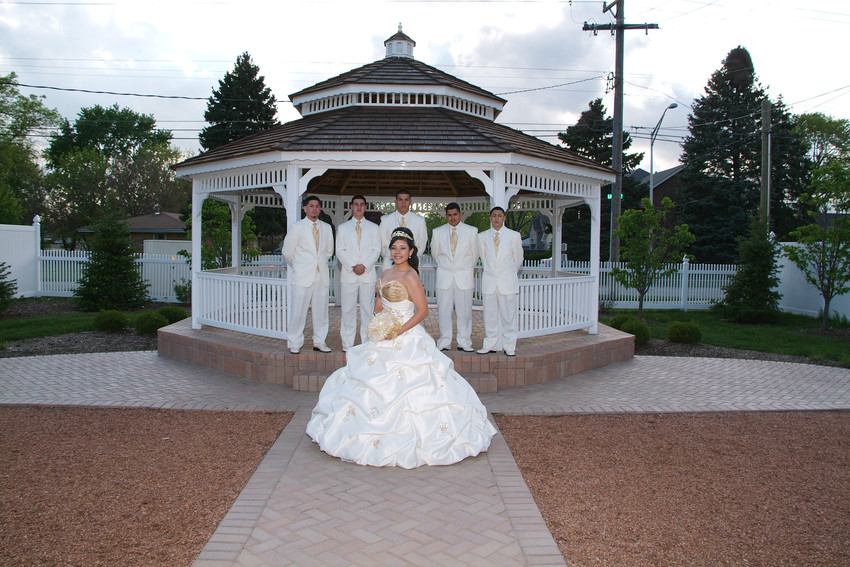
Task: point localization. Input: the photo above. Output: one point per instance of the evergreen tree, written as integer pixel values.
(593, 137)
(111, 279)
(722, 162)
(242, 105)
(751, 296)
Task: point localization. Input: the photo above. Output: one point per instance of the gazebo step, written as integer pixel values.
(309, 381)
(482, 382)
(312, 381)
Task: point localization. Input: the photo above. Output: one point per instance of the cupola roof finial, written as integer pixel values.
(399, 45)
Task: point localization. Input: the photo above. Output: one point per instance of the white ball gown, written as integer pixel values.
(399, 402)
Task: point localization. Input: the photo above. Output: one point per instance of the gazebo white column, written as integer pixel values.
(197, 223)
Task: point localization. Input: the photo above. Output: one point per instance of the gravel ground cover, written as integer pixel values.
(749, 489)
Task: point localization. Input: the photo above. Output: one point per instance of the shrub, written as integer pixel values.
(148, 322)
(7, 287)
(639, 329)
(173, 313)
(619, 320)
(183, 291)
(684, 332)
(110, 320)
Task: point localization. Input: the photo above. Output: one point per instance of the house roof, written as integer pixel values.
(367, 129)
(642, 176)
(397, 71)
(157, 222)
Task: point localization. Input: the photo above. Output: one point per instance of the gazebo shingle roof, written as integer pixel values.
(376, 129)
(397, 71)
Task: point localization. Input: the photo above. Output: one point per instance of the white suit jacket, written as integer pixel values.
(501, 272)
(414, 222)
(349, 253)
(299, 251)
(459, 269)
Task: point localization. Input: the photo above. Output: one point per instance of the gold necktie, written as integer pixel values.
(359, 232)
(496, 243)
(316, 235)
(454, 240)
(402, 221)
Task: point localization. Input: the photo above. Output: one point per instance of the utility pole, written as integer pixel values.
(764, 209)
(617, 162)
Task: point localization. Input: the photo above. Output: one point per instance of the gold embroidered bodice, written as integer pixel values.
(392, 290)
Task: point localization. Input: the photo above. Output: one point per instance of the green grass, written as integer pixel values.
(18, 328)
(783, 337)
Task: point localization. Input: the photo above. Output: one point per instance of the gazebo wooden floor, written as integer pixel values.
(264, 359)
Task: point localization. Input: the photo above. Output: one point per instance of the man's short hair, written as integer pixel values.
(452, 207)
(402, 192)
(497, 209)
(358, 197)
(310, 198)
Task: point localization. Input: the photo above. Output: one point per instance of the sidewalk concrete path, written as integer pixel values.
(302, 507)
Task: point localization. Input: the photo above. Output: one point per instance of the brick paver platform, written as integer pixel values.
(537, 359)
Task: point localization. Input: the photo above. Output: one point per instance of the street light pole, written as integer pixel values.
(652, 153)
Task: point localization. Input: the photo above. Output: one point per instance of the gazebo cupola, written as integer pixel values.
(400, 82)
(399, 45)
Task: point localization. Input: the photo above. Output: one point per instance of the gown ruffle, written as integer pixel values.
(399, 403)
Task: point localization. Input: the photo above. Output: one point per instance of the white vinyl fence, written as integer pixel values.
(691, 286)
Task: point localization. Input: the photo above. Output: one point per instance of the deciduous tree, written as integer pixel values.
(22, 120)
(648, 248)
(822, 249)
(111, 160)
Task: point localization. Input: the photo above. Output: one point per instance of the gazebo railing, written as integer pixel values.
(249, 304)
(555, 305)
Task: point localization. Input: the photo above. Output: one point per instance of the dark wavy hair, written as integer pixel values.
(404, 233)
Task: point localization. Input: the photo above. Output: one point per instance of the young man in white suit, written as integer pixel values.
(454, 246)
(402, 216)
(500, 249)
(308, 246)
(358, 245)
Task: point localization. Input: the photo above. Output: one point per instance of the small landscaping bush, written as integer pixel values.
(148, 322)
(687, 332)
(639, 329)
(183, 291)
(7, 287)
(173, 313)
(110, 320)
(619, 320)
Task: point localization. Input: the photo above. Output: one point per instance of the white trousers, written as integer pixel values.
(350, 294)
(316, 298)
(461, 301)
(501, 321)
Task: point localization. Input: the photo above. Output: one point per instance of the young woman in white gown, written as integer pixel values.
(398, 400)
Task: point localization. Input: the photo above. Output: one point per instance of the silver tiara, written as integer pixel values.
(402, 234)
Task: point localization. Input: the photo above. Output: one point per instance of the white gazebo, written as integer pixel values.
(394, 123)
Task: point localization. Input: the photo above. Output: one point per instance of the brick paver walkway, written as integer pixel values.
(302, 507)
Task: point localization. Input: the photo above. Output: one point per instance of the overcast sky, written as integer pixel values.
(532, 53)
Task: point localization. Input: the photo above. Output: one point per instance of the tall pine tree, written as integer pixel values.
(722, 162)
(241, 106)
(593, 137)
